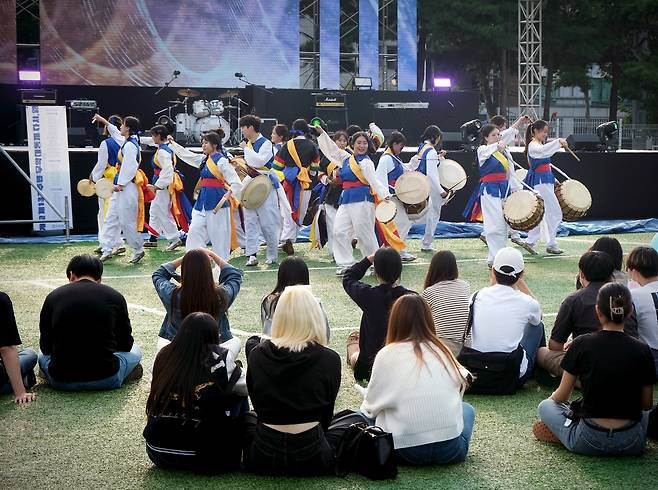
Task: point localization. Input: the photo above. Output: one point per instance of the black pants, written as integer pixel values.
(268, 451)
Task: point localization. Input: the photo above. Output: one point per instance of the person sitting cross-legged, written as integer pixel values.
(375, 302)
(86, 338)
(617, 375)
(506, 315)
(577, 313)
(16, 367)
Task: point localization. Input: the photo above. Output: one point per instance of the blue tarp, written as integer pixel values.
(444, 230)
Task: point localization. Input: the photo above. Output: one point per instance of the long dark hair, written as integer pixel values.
(433, 134)
(198, 291)
(529, 132)
(371, 147)
(293, 271)
(181, 365)
(411, 320)
(614, 302)
(443, 267)
(612, 247)
(486, 131)
(396, 137)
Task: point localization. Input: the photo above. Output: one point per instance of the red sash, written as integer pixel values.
(543, 168)
(352, 184)
(213, 183)
(497, 177)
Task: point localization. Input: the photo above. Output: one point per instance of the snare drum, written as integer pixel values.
(200, 108)
(385, 211)
(216, 107)
(523, 210)
(574, 198)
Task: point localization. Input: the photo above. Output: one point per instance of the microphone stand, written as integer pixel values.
(247, 82)
(166, 85)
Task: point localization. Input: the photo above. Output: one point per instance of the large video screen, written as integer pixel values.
(8, 41)
(141, 42)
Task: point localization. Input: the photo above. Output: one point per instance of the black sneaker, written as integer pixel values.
(134, 375)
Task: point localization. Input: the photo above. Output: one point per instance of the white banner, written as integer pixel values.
(49, 163)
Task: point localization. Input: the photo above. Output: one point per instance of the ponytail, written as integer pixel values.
(529, 132)
(614, 302)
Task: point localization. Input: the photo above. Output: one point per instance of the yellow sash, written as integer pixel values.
(501, 158)
(303, 176)
(141, 181)
(251, 147)
(422, 150)
(212, 166)
(389, 230)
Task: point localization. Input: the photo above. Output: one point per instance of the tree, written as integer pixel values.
(471, 37)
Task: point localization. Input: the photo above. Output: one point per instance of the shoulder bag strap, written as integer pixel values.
(469, 322)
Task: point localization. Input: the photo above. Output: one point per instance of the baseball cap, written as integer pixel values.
(509, 258)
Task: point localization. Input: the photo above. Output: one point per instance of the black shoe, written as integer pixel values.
(288, 248)
(134, 375)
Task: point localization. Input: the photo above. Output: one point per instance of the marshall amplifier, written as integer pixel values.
(326, 100)
(36, 96)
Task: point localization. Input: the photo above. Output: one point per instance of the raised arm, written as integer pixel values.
(101, 162)
(537, 150)
(188, 156)
(368, 169)
(331, 150)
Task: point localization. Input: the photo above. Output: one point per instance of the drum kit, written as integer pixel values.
(201, 115)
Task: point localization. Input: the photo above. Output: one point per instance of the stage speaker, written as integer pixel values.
(266, 126)
(588, 142)
(82, 132)
(452, 141)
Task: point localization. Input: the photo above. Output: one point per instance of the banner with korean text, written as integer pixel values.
(49, 163)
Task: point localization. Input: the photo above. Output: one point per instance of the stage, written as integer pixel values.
(623, 184)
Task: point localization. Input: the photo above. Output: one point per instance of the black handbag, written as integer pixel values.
(366, 450)
(494, 373)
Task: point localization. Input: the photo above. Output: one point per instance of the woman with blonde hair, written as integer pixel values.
(416, 388)
(293, 380)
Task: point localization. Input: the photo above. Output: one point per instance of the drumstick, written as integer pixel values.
(572, 153)
(560, 172)
(222, 201)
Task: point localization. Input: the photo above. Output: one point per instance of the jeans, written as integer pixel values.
(127, 362)
(27, 359)
(442, 452)
(533, 338)
(586, 437)
(269, 451)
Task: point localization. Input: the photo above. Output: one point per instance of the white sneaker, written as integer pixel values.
(341, 271)
(554, 250)
(173, 245)
(270, 262)
(137, 257)
(105, 256)
(407, 257)
(529, 247)
(251, 261)
(119, 251)
(426, 249)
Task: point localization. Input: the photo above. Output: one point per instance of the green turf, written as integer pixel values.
(94, 439)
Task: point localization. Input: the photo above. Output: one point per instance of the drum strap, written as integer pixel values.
(214, 169)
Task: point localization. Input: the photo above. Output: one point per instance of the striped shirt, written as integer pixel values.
(449, 302)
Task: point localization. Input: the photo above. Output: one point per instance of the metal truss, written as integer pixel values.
(529, 45)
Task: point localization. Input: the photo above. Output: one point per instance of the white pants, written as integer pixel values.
(214, 227)
(495, 226)
(330, 218)
(266, 220)
(101, 221)
(160, 217)
(290, 228)
(122, 218)
(432, 218)
(552, 216)
(354, 219)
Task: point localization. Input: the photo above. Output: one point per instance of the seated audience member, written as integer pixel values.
(642, 266)
(292, 271)
(416, 388)
(86, 341)
(197, 394)
(16, 367)
(506, 315)
(448, 298)
(612, 247)
(617, 375)
(293, 381)
(197, 292)
(577, 314)
(375, 303)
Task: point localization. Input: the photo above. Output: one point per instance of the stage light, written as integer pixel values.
(471, 134)
(442, 83)
(29, 75)
(607, 133)
(363, 82)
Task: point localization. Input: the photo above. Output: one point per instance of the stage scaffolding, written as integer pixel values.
(529, 45)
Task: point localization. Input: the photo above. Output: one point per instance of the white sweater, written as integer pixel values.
(418, 403)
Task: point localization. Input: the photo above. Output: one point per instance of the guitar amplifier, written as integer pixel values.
(83, 105)
(37, 96)
(330, 100)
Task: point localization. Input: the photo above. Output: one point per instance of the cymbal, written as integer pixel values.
(228, 93)
(230, 107)
(174, 101)
(186, 92)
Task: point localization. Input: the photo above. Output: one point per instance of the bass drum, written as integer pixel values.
(523, 210)
(210, 123)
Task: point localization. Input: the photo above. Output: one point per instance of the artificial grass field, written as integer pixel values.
(93, 439)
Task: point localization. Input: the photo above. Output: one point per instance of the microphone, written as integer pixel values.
(176, 73)
(238, 75)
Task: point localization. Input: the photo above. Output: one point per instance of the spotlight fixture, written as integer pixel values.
(608, 135)
(471, 133)
(442, 84)
(362, 83)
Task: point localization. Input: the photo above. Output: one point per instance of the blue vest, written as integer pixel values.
(533, 178)
(493, 166)
(356, 194)
(256, 146)
(133, 140)
(422, 159)
(156, 169)
(112, 150)
(209, 197)
(394, 174)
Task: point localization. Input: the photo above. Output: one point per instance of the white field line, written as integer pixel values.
(581, 240)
